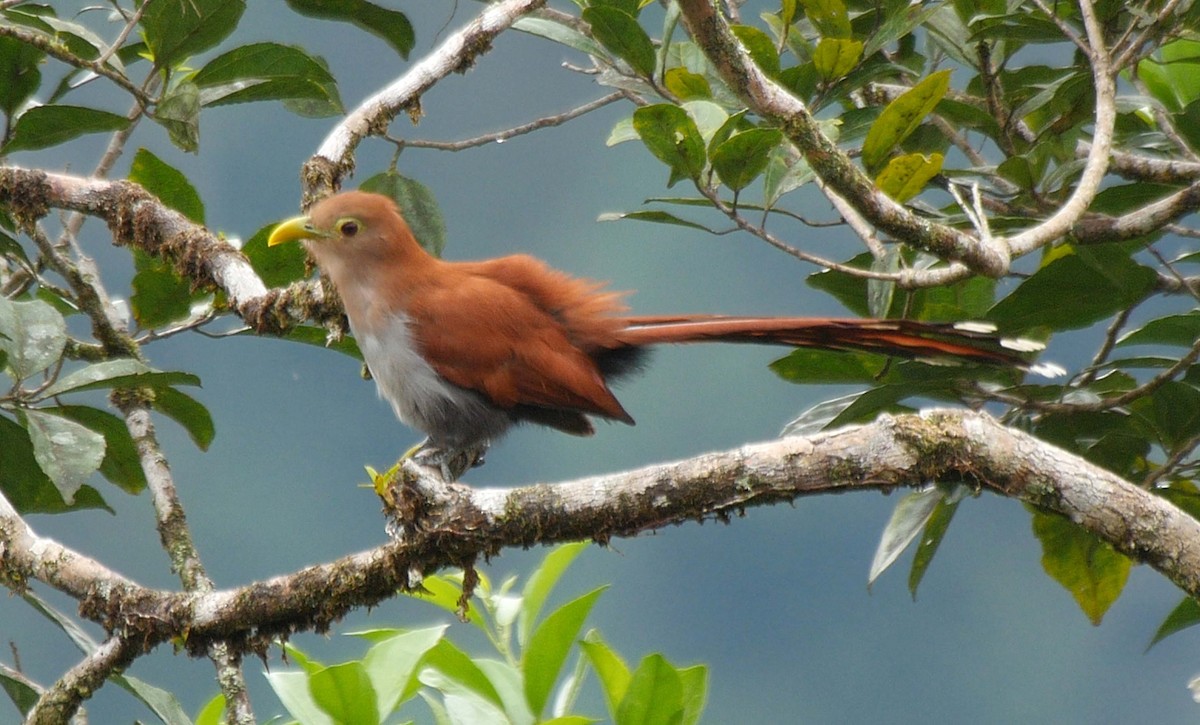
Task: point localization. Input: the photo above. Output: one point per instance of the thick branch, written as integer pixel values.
(774, 103)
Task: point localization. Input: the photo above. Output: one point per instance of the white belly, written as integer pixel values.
(451, 416)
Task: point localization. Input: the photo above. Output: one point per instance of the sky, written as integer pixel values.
(775, 602)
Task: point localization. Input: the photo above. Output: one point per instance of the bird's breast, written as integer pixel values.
(448, 414)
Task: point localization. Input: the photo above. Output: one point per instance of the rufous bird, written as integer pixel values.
(465, 350)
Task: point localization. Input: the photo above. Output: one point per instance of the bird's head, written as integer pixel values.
(351, 231)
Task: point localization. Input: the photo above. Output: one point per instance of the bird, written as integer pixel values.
(465, 350)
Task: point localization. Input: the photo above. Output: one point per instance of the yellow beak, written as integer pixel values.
(293, 230)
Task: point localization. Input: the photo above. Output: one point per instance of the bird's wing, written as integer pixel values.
(485, 336)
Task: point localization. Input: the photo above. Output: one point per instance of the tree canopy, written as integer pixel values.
(1033, 166)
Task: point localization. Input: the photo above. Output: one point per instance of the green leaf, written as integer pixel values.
(68, 452)
(121, 373)
(17, 689)
(1181, 330)
(655, 216)
(177, 29)
(543, 658)
(906, 176)
(345, 692)
(744, 156)
(1090, 569)
(1074, 290)
(786, 171)
(450, 670)
(390, 25)
(620, 33)
(179, 113)
(610, 669)
(931, 538)
(160, 295)
(902, 116)
(829, 17)
(685, 84)
(808, 366)
(292, 690)
(24, 483)
(672, 136)
(835, 57)
(1186, 614)
(276, 266)
(121, 464)
(267, 71)
(541, 582)
(760, 47)
(187, 412)
(392, 663)
(695, 692)
(1174, 411)
(1172, 78)
(654, 695)
(213, 711)
(32, 335)
(510, 684)
(442, 592)
(45, 126)
(909, 517)
(161, 702)
(559, 33)
(19, 73)
(168, 184)
(418, 204)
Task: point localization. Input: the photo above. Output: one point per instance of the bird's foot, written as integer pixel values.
(451, 462)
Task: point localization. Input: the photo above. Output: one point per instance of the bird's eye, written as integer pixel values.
(348, 228)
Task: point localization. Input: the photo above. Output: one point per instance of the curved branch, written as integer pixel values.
(774, 103)
(335, 157)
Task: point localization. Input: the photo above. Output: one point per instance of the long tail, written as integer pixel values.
(937, 342)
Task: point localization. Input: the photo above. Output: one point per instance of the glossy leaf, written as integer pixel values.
(559, 33)
(654, 695)
(121, 464)
(1183, 616)
(1075, 290)
(829, 17)
(1090, 569)
(174, 31)
(276, 266)
(23, 696)
(449, 669)
(1181, 330)
(906, 176)
(909, 517)
(653, 215)
(292, 690)
(694, 680)
(179, 113)
(187, 412)
(441, 592)
(66, 451)
(902, 116)
(742, 158)
(24, 483)
(20, 75)
(392, 664)
(809, 366)
(119, 373)
(345, 693)
(685, 84)
(931, 538)
(835, 57)
(419, 206)
(610, 669)
(672, 136)
(786, 171)
(268, 71)
(390, 25)
(32, 336)
(168, 184)
(541, 582)
(621, 34)
(160, 295)
(760, 46)
(548, 646)
(161, 702)
(45, 126)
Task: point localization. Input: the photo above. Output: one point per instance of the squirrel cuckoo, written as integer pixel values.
(465, 350)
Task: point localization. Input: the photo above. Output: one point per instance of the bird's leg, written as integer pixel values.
(451, 462)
